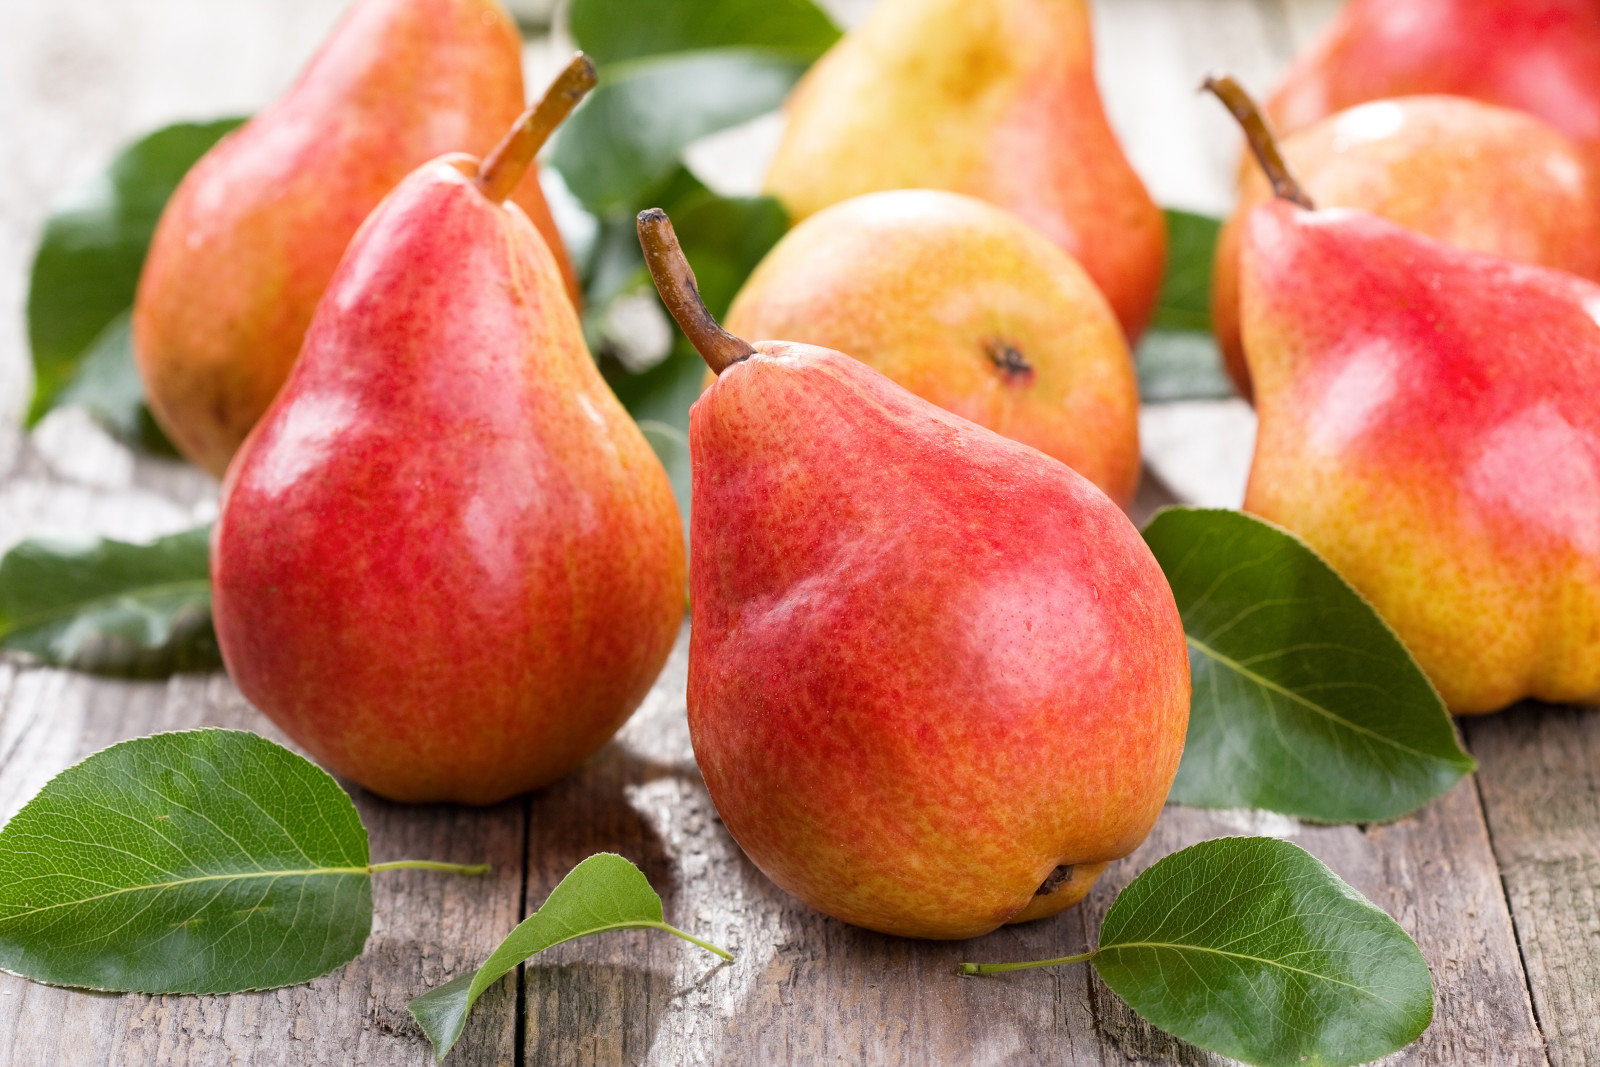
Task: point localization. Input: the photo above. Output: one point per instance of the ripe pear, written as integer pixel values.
(252, 235)
(1538, 56)
(968, 307)
(1474, 175)
(996, 100)
(1428, 424)
(936, 680)
(447, 563)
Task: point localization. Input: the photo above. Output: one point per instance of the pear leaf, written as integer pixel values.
(613, 30)
(604, 892)
(1177, 357)
(628, 135)
(107, 385)
(87, 269)
(1252, 948)
(672, 449)
(1305, 702)
(208, 861)
(110, 607)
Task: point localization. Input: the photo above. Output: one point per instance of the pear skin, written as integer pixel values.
(930, 667)
(252, 235)
(1428, 424)
(447, 563)
(1538, 56)
(1477, 176)
(968, 307)
(996, 100)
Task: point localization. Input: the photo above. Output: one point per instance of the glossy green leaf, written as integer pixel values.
(604, 892)
(107, 385)
(1177, 357)
(1305, 702)
(208, 861)
(1251, 947)
(111, 607)
(613, 30)
(87, 266)
(627, 137)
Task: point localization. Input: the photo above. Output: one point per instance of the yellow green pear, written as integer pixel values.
(996, 100)
(968, 307)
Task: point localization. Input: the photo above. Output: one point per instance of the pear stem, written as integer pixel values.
(675, 282)
(508, 161)
(1258, 133)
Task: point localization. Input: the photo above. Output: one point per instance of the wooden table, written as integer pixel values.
(1498, 881)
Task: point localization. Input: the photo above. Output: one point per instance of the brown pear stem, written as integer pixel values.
(1258, 133)
(508, 161)
(675, 282)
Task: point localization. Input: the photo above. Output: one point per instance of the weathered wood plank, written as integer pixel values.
(1540, 780)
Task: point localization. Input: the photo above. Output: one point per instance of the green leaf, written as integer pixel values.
(1305, 702)
(1251, 947)
(604, 892)
(1177, 357)
(88, 263)
(1185, 301)
(628, 135)
(672, 448)
(111, 607)
(108, 386)
(209, 861)
(612, 30)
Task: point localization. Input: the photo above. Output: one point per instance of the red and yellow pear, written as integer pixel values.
(937, 681)
(996, 100)
(1428, 424)
(1538, 56)
(249, 240)
(968, 307)
(447, 563)
(1476, 176)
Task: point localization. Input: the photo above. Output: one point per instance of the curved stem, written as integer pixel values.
(708, 946)
(429, 865)
(1260, 137)
(508, 161)
(997, 968)
(675, 282)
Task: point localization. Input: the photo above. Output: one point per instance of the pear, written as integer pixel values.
(1427, 423)
(970, 308)
(252, 235)
(1538, 56)
(1474, 175)
(936, 680)
(996, 100)
(447, 563)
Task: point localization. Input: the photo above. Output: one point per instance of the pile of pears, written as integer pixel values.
(937, 682)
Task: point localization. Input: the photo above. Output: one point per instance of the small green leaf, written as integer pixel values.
(1177, 357)
(1251, 947)
(107, 385)
(88, 263)
(111, 607)
(613, 30)
(672, 448)
(209, 861)
(604, 892)
(626, 138)
(1305, 702)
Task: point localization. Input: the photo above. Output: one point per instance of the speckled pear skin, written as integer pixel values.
(250, 238)
(1538, 56)
(447, 563)
(1481, 177)
(936, 290)
(928, 665)
(997, 100)
(1428, 423)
